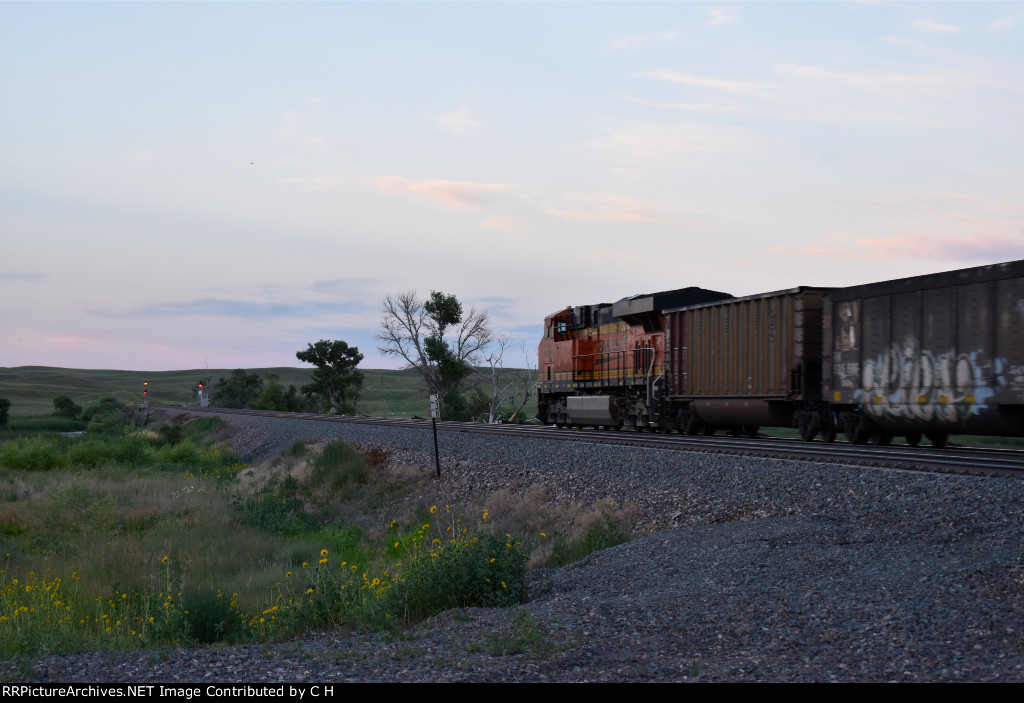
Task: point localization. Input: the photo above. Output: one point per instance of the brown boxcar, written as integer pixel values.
(932, 355)
(745, 362)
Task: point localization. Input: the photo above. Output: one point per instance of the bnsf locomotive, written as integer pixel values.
(924, 356)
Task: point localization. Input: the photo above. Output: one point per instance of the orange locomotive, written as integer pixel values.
(604, 364)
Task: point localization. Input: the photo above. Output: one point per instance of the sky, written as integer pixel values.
(220, 184)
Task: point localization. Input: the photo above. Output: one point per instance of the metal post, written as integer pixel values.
(435, 410)
(437, 456)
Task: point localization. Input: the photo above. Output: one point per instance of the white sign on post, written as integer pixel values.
(435, 407)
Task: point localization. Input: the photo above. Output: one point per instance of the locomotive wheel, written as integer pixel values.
(914, 439)
(938, 439)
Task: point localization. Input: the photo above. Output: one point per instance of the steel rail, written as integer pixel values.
(956, 460)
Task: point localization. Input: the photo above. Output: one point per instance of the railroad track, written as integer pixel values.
(955, 460)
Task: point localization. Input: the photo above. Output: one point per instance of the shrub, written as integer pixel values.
(337, 466)
(108, 411)
(32, 454)
(133, 448)
(604, 533)
(46, 424)
(277, 514)
(63, 406)
(450, 569)
(184, 452)
(210, 617)
(98, 427)
(90, 453)
(172, 433)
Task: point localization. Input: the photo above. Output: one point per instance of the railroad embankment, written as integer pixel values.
(742, 569)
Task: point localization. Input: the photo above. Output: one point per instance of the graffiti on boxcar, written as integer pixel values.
(915, 384)
(847, 374)
(848, 315)
(1016, 374)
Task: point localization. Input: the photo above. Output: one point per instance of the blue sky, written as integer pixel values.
(222, 183)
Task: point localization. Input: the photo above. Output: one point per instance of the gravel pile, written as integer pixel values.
(747, 570)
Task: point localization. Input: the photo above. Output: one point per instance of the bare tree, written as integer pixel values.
(434, 336)
(505, 390)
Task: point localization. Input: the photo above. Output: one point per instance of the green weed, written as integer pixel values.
(602, 534)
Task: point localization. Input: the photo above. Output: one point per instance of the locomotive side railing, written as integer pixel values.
(614, 367)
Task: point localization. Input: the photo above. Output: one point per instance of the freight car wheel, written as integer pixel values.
(828, 433)
(880, 438)
(751, 431)
(856, 427)
(938, 439)
(914, 439)
(808, 425)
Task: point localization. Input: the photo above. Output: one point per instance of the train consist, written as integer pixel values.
(924, 356)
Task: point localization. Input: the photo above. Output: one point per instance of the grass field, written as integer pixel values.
(31, 389)
(123, 540)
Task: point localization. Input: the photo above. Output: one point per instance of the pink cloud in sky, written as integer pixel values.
(603, 216)
(985, 249)
(608, 207)
(980, 249)
(454, 193)
(502, 223)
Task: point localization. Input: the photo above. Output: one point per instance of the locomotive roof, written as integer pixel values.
(657, 302)
(650, 302)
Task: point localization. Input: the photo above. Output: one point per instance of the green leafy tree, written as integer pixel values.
(63, 406)
(336, 380)
(275, 397)
(106, 410)
(438, 339)
(5, 406)
(239, 390)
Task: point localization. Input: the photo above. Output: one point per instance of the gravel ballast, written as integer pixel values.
(745, 570)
